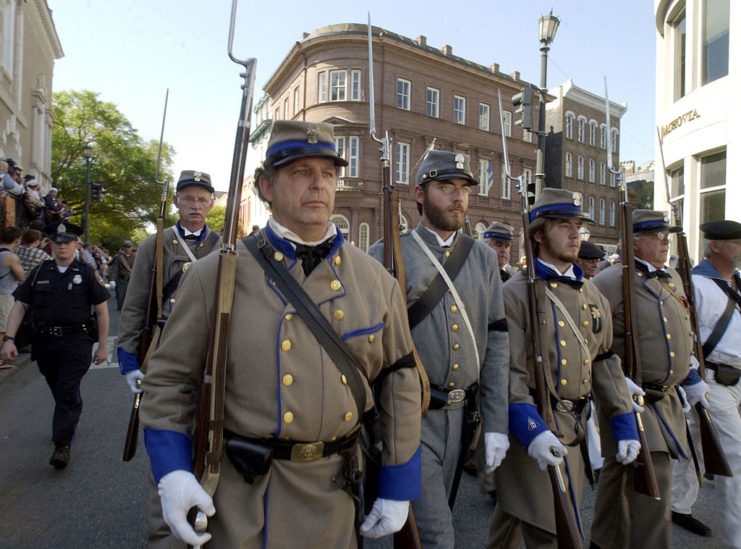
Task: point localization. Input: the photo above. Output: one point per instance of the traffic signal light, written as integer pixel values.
(96, 191)
(524, 103)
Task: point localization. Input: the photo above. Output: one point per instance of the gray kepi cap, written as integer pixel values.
(294, 139)
(192, 178)
(499, 231)
(652, 221)
(443, 165)
(559, 204)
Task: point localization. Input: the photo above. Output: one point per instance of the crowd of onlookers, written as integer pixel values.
(27, 207)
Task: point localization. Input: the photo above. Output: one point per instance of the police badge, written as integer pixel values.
(77, 279)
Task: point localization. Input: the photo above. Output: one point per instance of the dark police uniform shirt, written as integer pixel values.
(61, 299)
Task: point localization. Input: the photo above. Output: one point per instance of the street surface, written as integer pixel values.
(99, 502)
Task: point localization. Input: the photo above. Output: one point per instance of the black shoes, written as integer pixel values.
(688, 522)
(60, 458)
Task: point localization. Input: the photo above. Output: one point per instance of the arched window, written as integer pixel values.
(569, 165)
(480, 229)
(404, 222)
(569, 129)
(363, 236)
(581, 129)
(342, 224)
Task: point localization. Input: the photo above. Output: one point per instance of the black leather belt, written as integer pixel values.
(655, 392)
(443, 396)
(61, 331)
(576, 405)
(724, 373)
(302, 452)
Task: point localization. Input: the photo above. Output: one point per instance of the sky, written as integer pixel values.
(131, 51)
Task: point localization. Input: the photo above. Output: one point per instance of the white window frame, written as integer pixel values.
(603, 136)
(591, 207)
(602, 173)
(483, 176)
(614, 139)
(592, 133)
(403, 94)
(402, 165)
(353, 155)
(506, 191)
(507, 118)
(580, 167)
(363, 236)
(569, 165)
(581, 129)
(355, 85)
(592, 170)
(286, 112)
(484, 116)
(433, 102)
(340, 145)
(7, 35)
(601, 211)
(321, 88)
(569, 125)
(338, 85)
(459, 109)
(612, 213)
(342, 223)
(296, 101)
(613, 180)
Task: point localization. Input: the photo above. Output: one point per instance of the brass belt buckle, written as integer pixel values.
(564, 405)
(456, 395)
(303, 452)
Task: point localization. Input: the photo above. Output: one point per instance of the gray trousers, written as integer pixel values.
(441, 446)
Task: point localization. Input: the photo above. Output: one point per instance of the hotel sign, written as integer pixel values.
(678, 121)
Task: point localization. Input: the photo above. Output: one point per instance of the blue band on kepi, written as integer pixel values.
(499, 236)
(297, 144)
(554, 208)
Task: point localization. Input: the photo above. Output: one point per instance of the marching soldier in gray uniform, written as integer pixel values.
(622, 517)
(461, 335)
(188, 240)
(291, 418)
(576, 335)
(499, 237)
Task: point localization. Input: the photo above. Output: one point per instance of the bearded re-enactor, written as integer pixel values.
(461, 335)
(623, 517)
(285, 396)
(575, 336)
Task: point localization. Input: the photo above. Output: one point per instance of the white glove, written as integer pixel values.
(132, 377)
(179, 491)
(627, 451)
(546, 450)
(386, 517)
(496, 445)
(634, 390)
(697, 392)
(112, 284)
(686, 408)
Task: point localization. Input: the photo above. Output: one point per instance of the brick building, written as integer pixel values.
(576, 154)
(422, 94)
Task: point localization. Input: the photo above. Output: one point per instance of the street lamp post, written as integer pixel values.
(87, 152)
(547, 27)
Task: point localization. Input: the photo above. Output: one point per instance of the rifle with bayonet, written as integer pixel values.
(714, 458)
(567, 530)
(408, 536)
(150, 329)
(644, 474)
(209, 436)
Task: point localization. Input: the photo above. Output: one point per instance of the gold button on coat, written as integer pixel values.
(668, 336)
(175, 242)
(172, 300)
(289, 316)
(585, 380)
(454, 309)
(561, 324)
(348, 416)
(672, 354)
(564, 382)
(554, 285)
(451, 384)
(371, 338)
(288, 417)
(287, 380)
(285, 344)
(339, 315)
(344, 379)
(454, 327)
(278, 256)
(671, 284)
(447, 253)
(456, 366)
(586, 362)
(564, 362)
(337, 260)
(335, 285)
(456, 347)
(563, 343)
(584, 306)
(585, 323)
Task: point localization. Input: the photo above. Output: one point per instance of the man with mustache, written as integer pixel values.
(623, 517)
(717, 288)
(499, 237)
(287, 400)
(188, 240)
(461, 337)
(575, 334)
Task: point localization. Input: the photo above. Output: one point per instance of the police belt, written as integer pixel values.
(61, 331)
(440, 396)
(655, 392)
(302, 452)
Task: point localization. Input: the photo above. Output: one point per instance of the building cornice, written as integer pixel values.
(50, 31)
(587, 98)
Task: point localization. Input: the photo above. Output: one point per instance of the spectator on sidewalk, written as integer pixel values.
(11, 273)
(29, 251)
(120, 271)
(52, 208)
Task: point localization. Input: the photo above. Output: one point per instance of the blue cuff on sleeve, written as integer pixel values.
(402, 482)
(525, 422)
(692, 378)
(624, 427)
(168, 451)
(127, 362)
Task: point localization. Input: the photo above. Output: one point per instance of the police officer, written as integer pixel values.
(61, 293)
(575, 334)
(623, 517)
(589, 258)
(284, 393)
(499, 237)
(461, 338)
(187, 241)
(717, 288)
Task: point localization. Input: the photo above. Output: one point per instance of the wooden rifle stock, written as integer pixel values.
(567, 529)
(714, 457)
(154, 301)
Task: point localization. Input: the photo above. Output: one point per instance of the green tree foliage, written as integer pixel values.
(215, 218)
(122, 162)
